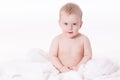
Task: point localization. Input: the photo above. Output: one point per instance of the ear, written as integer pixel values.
(81, 23)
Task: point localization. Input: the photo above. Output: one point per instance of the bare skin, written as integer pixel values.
(70, 49)
(71, 52)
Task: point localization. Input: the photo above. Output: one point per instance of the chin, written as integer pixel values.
(71, 36)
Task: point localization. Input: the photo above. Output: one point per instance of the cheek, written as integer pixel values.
(63, 29)
(76, 29)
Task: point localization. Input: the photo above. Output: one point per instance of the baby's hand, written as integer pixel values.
(64, 69)
(74, 68)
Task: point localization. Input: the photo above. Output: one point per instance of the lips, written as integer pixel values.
(70, 32)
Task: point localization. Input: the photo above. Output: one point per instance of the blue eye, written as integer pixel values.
(65, 23)
(74, 24)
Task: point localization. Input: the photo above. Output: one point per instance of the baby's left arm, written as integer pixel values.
(87, 54)
(87, 51)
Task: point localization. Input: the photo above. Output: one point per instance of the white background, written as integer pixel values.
(26, 24)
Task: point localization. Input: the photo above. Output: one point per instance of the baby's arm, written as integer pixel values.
(53, 55)
(87, 53)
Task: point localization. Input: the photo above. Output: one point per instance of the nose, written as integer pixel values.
(70, 27)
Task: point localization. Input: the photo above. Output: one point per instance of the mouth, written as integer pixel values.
(70, 32)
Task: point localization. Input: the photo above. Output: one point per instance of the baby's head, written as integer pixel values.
(70, 19)
(71, 9)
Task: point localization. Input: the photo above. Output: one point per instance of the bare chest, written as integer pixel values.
(70, 47)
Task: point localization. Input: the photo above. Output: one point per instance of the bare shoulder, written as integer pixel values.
(56, 38)
(55, 41)
(84, 38)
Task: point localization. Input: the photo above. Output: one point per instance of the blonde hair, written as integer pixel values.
(71, 8)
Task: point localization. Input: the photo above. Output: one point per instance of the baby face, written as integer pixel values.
(70, 25)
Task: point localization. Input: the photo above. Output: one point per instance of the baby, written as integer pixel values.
(70, 49)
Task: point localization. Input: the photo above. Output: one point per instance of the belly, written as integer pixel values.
(70, 60)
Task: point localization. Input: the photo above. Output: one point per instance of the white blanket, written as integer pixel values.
(38, 67)
(96, 69)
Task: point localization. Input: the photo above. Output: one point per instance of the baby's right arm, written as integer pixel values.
(53, 55)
